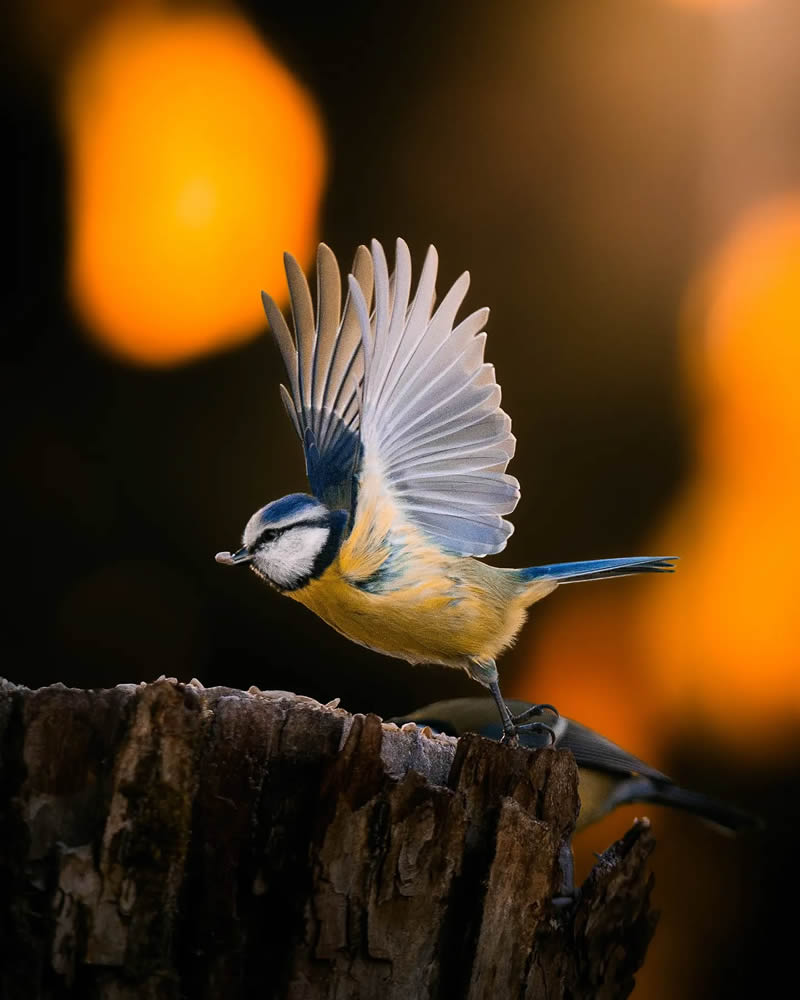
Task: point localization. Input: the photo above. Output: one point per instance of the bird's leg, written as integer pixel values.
(511, 726)
(509, 729)
(485, 672)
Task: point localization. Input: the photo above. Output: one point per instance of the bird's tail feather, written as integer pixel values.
(599, 569)
(719, 814)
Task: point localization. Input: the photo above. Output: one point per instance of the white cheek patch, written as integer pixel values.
(290, 558)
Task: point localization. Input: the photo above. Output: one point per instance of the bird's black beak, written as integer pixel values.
(231, 559)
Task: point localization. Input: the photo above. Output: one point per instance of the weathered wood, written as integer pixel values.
(166, 841)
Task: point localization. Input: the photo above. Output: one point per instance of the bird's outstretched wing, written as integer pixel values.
(434, 441)
(325, 366)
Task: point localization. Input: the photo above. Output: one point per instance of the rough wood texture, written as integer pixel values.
(167, 841)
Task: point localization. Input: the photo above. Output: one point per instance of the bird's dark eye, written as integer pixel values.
(267, 535)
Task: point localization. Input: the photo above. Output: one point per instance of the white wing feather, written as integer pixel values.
(430, 409)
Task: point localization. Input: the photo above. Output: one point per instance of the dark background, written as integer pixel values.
(559, 150)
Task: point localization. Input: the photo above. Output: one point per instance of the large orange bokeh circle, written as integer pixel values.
(195, 160)
(723, 639)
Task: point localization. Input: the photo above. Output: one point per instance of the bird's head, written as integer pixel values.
(290, 541)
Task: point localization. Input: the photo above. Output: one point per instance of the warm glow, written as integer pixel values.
(585, 665)
(725, 640)
(712, 4)
(195, 160)
(707, 659)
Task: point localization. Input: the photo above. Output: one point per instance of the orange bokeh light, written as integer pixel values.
(712, 4)
(586, 665)
(195, 160)
(725, 640)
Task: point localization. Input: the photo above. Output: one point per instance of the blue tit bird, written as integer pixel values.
(406, 448)
(608, 776)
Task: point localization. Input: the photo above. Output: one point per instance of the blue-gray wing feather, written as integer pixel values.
(324, 363)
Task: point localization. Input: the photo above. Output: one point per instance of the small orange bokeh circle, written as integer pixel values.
(195, 160)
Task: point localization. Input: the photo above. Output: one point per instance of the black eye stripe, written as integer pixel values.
(269, 534)
(266, 536)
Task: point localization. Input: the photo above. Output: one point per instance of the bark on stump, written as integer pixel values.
(166, 840)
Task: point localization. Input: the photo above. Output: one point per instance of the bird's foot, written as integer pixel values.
(514, 725)
(540, 709)
(521, 724)
(511, 735)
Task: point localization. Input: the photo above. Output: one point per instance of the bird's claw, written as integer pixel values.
(520, 724)
(511, 737)
(536, 710)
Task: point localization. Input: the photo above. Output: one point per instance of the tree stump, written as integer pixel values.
(170, 841)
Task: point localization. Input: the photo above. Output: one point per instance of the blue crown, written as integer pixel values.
(289, 507)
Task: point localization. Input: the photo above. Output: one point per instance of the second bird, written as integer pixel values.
(406, 449)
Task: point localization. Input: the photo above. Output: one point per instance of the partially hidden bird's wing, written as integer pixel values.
(594, 751)
(435, 442)
(325, 366)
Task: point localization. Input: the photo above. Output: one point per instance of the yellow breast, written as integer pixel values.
(391, 589)
(433, 612)
(594, 790)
